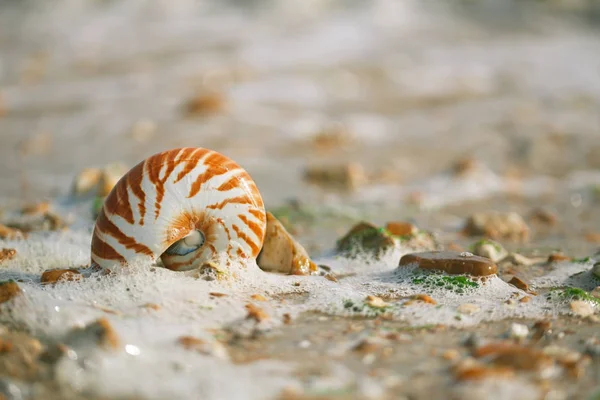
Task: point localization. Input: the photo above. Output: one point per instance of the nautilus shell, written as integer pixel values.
(188, 206)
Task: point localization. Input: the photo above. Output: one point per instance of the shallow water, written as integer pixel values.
(415, 85)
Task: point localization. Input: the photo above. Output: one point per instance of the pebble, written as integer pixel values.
(592, 237)
(60, 275)
(451, 262)
(497, 225)
(476, 373)
(366, 346)
(518, 331)
(465, 166)
(256, 313)
(258, 297)
(349, 176)
(468, 308)
(7, 254)
(581, 308)
(399, 228)
(365, 237)
(490, 249)
(424, 298)
(205, 104)
(519, 283)
(201, 346)
(557, 257)
(332, 139)
(282, 253)
(85, 181)
(375, 302)
(100, 332)
(514, 356)
(19, 353)
(595, 292)
(543, 216)
(451, 355)
(38, 208)
(8, 290)
(10, 233)
(596, 270)
(109, 176)
(518, 259)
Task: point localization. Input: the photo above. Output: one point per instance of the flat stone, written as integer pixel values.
(451, 262)
(282, 253)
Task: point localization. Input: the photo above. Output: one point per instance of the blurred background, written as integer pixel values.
(384, 103)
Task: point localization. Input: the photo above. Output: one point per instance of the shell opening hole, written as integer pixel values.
(193, 241)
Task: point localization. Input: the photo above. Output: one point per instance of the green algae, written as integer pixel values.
(571, 293)
(455, 283)
(366, 308)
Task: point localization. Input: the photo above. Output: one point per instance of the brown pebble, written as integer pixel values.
(366, 346)
(331, 277)
(347, 176)
(101, 330)
(5, 346)
(451, 355)
(62, 275)
(525, 299)
(519, 283)
(543, 216)
(481, 372)
(39, 208)
(287, 318)
(401, 228)
(11, 233)
(451, 262)
(331, 139)
(513, 355)
(258, 297)
(8, 290)
(540, 328)
(420, 298)
(455, 247)
(592, 237)
(151, 306)
(190, 342)
(206, 104)
(256, 313)
(217, 294)
(7, 254)
(557, 257)
(464, 166)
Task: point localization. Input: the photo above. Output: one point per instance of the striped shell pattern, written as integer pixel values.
(187, 206)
